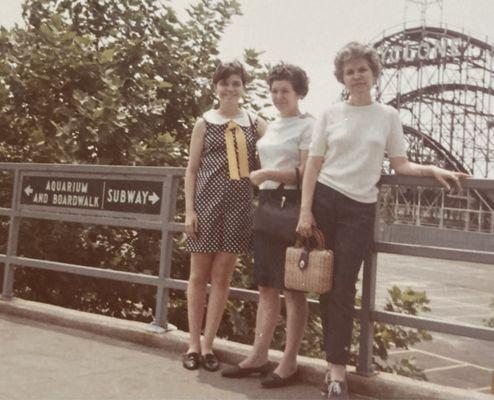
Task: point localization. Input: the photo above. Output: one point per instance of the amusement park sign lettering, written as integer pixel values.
(420, 51)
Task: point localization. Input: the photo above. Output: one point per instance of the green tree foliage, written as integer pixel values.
(389, 337)
(106, 82)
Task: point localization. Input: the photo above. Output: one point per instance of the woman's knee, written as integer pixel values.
(295, 298)
(341, 298)
(221, 280)
(200, 269)
(268, 291)
(222, 269)
(344, 285)
(199, 278)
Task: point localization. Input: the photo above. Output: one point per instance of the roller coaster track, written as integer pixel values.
(423, 64)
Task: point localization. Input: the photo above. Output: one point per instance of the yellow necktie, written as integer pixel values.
(238, 164)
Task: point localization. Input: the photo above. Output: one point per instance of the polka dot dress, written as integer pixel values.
(223, 205)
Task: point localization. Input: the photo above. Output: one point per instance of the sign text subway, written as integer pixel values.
(97, 194)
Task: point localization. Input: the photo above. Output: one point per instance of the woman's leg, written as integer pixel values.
(221, 275)
(268, 311)
(200, 272)
(338, 305)
(350, 233)
(297, 312)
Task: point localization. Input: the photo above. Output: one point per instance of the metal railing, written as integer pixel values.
(42, 191)
(162, 220)
(369, 315)
(469, 211)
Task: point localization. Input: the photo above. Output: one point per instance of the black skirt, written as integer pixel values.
(269, 252)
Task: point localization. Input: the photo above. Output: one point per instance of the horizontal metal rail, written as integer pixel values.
(442, 253)
(89, 219)
(5, 211)
(93, 272)
(386, 317)
(401, 180)
(93, 169)
(466, 330)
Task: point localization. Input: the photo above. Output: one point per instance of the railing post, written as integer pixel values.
(467, 211)
(366, 340)
(169, 193)
(492, 221)
(441, 211)
(9, 272)
(492, 382)
(419, 206)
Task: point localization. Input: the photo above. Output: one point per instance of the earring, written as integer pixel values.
(345, 94)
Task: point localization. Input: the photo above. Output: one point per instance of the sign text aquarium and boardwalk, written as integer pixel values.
(132, 196)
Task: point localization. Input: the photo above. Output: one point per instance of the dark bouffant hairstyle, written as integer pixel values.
(225, 69)
(291, 73)
(357, 50)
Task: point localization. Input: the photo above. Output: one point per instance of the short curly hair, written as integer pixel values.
(291, 73)
(357, 50)
(225, 69)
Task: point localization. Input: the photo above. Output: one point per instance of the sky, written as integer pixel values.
(308, 33)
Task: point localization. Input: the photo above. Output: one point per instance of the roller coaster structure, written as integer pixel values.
(442, 82)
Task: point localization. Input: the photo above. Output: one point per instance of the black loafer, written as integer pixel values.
(191, 360)
(236, 371)
(210, 362)
(275, 381)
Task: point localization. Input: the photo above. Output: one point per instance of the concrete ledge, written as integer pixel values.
(381, 386)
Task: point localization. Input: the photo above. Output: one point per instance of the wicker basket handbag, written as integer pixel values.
(309, 269)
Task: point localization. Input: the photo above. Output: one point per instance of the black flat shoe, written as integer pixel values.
(191, 360)
(236, 371)
(210, 362)
(275, 381)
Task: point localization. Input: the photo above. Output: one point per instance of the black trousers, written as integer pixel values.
(347, 226)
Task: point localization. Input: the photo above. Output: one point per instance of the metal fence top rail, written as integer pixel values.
(468, 183)
(91, 168)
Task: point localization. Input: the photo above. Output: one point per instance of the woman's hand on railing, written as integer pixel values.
(305, 223)
(191, 224)
(443, 176)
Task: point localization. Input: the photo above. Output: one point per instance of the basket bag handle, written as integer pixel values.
(303, 261)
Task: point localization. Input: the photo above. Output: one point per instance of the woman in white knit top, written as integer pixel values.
(339, 192)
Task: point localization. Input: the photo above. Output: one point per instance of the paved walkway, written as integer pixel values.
(40, 361)
(459, 292)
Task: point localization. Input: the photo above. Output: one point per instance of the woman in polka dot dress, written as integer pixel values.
(218, 202)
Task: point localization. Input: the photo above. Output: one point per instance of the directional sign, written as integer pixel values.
(142, 197)
(133, 195)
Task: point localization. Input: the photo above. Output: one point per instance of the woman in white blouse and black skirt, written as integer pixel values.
(282, 150)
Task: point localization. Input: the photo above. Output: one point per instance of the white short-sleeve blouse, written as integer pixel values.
(353, 141)
(280, 146)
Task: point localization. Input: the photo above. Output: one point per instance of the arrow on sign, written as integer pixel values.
(29, 190)
(153, 198)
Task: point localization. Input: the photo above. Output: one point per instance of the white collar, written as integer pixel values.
(214, 117)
